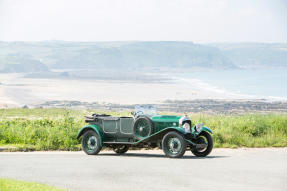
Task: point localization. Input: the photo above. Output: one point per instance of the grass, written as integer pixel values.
(248, 130)
(17, 185)
(56, 129)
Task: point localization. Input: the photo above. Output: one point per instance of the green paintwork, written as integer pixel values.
(129, 131)
(159, 133)
(167, 129)
(93, 127)
(165, 118)
(121, 130)
(163, 121)
(204, 128)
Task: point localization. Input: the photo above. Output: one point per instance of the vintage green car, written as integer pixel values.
(174, 134)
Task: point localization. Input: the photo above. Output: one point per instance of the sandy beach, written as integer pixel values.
(16, 90)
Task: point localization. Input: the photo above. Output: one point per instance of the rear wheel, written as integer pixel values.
(203, 138)
(91, 143)
(120, 149)
(143, 127)
(173, 145)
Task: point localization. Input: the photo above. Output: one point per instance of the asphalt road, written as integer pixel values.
(224, 169)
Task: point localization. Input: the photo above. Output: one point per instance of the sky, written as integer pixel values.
(200, 21)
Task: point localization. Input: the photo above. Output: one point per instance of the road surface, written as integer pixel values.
(225, 169)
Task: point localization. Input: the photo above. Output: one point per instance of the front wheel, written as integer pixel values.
(91, 143)
(203, 138)
(173, 145)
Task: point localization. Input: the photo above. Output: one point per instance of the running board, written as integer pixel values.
(119, 143)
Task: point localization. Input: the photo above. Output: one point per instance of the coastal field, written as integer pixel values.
(56, 129)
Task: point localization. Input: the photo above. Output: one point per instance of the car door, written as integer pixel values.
(110, 125)
(126, 125)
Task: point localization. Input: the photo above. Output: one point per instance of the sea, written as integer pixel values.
(263, 83)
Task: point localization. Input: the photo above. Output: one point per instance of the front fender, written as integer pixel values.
(179, 129)
(94, 127)
(207, 129)
(161, 133)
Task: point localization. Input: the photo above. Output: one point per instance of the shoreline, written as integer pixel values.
(207, 106)
(193, 95)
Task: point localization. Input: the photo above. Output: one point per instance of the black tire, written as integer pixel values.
(176, 148)
(143, 127)
(120, 149)
(91, 142)
(208, 149)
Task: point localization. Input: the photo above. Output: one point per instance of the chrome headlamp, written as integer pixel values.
(198, 127)
(186, 127)
(182, 119)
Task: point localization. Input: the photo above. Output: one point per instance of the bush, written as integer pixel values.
(248, 130)
(56, 129)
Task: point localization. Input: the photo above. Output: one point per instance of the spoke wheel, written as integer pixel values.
(91, 143)
(143, 127)
(204, 138)
(174, 145)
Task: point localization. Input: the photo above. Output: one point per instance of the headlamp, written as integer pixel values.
(198, 127)
(186, 127)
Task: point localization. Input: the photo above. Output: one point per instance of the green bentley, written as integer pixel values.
(174, 134)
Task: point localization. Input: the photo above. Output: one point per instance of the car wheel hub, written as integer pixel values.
(142, 129)
(174, 145)
(92, 143)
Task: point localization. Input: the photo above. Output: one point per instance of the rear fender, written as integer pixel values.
(90, 127)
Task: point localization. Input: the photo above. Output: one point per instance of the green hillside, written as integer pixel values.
(46, 55)
(255, 55)
(65, 55)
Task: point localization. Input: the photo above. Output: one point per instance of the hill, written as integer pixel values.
(120, 55)
(255, 55)
(66, 55)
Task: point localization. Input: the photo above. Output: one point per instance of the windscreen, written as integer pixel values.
(148, 110)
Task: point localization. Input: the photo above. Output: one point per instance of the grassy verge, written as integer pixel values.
(56, 129)
(16, 185)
